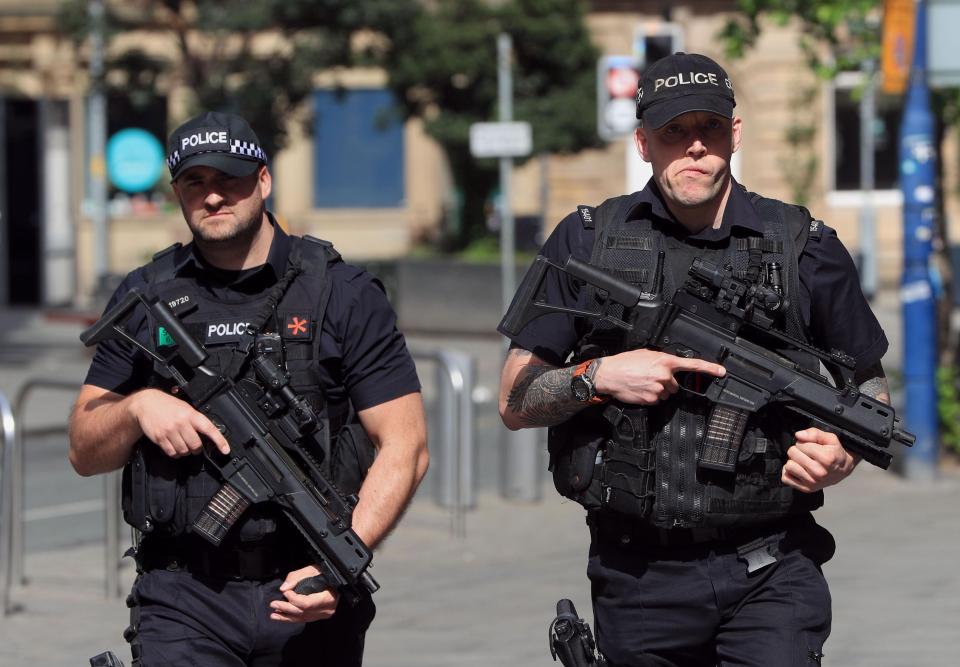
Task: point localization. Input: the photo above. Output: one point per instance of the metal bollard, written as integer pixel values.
(521, 454)
(455, 457)
(7, 445)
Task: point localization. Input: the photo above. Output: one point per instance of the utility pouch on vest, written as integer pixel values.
(629, 463)
(151, 492)
(351, 457)
(573, 448)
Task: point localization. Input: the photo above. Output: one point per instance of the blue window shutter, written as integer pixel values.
(358, 149)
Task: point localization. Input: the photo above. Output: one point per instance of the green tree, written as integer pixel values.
(443, 69)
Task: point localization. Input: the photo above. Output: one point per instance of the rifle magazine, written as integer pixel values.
(724, 435)
(214, 521)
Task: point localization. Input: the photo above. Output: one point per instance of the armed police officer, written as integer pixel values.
(329, 325)
(691, 565)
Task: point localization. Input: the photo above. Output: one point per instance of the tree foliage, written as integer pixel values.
(444, 70)
(848, 30)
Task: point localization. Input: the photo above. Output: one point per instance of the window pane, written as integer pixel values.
(358, 150)
(847, 141)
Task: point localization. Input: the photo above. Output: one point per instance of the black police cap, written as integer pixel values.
(220, 140)
(681, 83)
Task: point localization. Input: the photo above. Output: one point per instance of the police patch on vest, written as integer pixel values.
(297, 325)
(224, 331)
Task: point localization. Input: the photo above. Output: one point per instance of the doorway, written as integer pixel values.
(20, 201)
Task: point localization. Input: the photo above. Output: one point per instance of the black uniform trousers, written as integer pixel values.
(696, 605)
(188, 619)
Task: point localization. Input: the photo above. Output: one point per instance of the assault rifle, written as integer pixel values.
(274, 438)
(571, 640)
(723, 319)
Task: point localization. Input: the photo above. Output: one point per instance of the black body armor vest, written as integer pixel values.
(162, 495)
(643, 461)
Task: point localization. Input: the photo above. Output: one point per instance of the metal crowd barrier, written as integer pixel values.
(12, 493)
(454, 451)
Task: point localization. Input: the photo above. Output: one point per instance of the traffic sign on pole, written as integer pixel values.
(617, 79)
(505, 139)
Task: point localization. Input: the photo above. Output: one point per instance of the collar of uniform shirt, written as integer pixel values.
(739, 212)
(193, 262)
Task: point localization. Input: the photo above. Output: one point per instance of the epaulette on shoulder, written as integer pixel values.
(816, 229)
(325, 247)
(587, 215)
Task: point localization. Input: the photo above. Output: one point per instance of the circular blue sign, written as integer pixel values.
(134, 160)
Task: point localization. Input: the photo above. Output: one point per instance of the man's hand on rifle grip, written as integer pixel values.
(173, 424)
(296, 608)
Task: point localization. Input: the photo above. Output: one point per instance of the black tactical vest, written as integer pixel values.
(643, 461)
(164, 495)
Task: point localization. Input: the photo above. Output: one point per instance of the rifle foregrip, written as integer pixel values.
(869, 454)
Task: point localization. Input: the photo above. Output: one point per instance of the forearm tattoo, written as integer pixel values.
(541, 395)
(872, 382)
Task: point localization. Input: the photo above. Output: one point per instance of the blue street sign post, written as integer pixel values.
(918, 182)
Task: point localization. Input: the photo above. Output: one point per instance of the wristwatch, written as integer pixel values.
(582, 385)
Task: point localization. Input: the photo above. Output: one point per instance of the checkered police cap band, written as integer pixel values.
(237, 147)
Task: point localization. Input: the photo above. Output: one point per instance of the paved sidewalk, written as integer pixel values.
(486, 600)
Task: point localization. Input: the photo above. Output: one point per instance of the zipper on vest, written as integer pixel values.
(683, 432)
(664, 473)
(698, 489)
